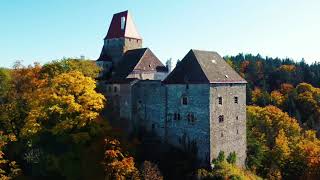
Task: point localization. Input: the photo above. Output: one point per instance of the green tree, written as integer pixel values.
(232, 158)
(223, 169)
(87, 67)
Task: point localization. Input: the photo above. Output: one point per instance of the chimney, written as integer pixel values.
(169, 65)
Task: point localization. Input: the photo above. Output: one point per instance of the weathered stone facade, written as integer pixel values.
(160, 108)
(201, 103)
(189, 123)
(148, 106)
(230, 134)
(116, 47)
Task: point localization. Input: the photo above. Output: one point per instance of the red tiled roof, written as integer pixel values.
(129, 30)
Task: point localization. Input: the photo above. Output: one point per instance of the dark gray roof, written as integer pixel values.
(203, 67)
(138, 60)
(104, 56)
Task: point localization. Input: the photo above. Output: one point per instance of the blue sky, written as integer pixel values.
(38, 30)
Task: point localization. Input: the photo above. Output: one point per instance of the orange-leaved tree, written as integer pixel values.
(118, 165)
(277, 145)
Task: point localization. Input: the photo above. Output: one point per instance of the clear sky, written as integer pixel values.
(44, 30)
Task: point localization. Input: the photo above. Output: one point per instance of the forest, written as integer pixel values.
(54, 124)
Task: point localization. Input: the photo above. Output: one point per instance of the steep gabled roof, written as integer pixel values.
(122, 25)
(104, 56)
(203, 67)
(138, 60)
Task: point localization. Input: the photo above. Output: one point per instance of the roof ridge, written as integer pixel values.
(139, 62)
(121, 12)
(202, 67)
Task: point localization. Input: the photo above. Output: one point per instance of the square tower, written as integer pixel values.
(121, 37)
(206, 106)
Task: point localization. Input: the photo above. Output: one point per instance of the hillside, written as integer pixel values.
(274, 81)
(51, 127)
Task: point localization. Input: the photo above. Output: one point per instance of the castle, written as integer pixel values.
(203, 100)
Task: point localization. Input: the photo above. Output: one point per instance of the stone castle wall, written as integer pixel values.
(183, 130)
(130, 43)
(148, 106)
(159, 108)
(115, 48)
(229, 135)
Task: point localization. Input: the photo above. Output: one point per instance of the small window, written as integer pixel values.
(115, 89)
(187, 86)
(236, 100)
(221, 118)
(110, 89)
(176, 116)
(123, 22)
(237, 117)
(221, 134)
(220, 100)
(184, 100)
(237, 131)
(191, 118)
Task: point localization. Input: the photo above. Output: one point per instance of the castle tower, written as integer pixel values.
(121, 37)
(206, 104)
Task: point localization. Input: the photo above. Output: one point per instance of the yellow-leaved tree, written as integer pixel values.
(69, 102)
(279, 147)
(53, 113)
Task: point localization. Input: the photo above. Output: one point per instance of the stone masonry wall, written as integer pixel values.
(115, 48)
(130, 43)
(125, 101)
(148, 105)
(183, 130)
(229, 135)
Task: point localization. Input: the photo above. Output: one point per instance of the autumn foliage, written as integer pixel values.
(117, 164)
(8, 169)
(43, 107)
(68, 95)
(279, 147)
